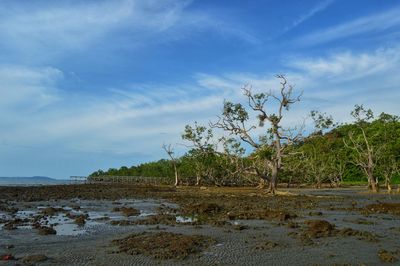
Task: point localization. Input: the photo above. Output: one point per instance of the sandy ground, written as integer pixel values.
(275, 241)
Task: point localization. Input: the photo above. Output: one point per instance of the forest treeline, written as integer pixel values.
(367, 149)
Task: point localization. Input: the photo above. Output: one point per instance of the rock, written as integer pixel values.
(44, 230)
(129, 211)
(319, 228)
(315, 213)
(386, 256)
(33, 259)
(7, 257)
(50, 211)
(80, 220)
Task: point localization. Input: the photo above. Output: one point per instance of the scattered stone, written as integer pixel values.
(240, 227)
(50, 211)
(219, 223)
(322, 228)
(386, 256)
(7, 257)
(33, 259)
(80, 220)
(76, 207)
(267, 245)
(359, 221)
(362, 235)
(266, 214)
(45, 230)
(122, 222)
(319, 228)
(292, 225)
(127, 211)
(203, 208)
(167, 219)
(387, 208)
(104, 218)
(13, 224)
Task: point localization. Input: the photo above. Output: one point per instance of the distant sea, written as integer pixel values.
(32, 181)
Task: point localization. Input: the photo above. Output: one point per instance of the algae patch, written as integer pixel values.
(163, 245)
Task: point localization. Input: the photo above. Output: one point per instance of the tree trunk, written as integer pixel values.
(198, 179)
(274, 179)
(289, 182)
(387, 183)
(318, 184)
(176, 175)
(389, 188)
(372, 184)
(261, 183)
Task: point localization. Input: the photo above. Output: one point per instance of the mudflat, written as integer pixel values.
(124, 224)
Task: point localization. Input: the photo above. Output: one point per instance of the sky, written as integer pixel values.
(95, 84)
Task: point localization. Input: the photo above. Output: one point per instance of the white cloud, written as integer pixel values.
(377, 22)
(348, 65)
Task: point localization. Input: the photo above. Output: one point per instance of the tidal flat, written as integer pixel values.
(124, 224)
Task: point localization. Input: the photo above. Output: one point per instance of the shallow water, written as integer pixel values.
(99, 213)
(186, 219)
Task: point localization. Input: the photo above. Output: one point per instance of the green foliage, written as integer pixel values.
(161, 168)
(320, 157)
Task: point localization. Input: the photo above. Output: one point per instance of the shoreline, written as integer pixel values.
(247, 226)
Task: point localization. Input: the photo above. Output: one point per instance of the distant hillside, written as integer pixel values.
(34, 180)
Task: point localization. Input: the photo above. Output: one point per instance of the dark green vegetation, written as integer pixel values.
(322, 157)
(366, 151)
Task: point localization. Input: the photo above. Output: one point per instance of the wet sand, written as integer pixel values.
(247, 226)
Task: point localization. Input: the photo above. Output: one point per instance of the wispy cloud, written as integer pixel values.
(45, 118)
(376, 22)
(321, 6)
(345, 66)
(135, 120)
(47, 30)
(27, 89)
(332, 83)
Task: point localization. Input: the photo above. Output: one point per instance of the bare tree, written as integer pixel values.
(235, 117)
(202, 146)
(170, 151)
(317, 157)
(337, 168)
(389, 165)
(365, 155)
(388, 170)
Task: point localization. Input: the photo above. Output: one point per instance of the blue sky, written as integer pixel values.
(87, 85)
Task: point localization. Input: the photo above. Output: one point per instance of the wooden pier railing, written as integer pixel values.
(121, 179)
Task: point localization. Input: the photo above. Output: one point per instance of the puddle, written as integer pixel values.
(145, 214)
(99, 213)
(25, 214)
(185, 219)
(4, 216)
